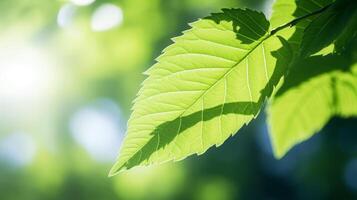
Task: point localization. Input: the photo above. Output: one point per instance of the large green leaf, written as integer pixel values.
(316, 89)
(206, 86)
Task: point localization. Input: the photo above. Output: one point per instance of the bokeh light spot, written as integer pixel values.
(351, 174)
(99, 129)
(82, 2)
(106, 17)
(66, 14)
(18, 149)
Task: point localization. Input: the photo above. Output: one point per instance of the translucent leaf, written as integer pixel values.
(316, 89)
(207, 85)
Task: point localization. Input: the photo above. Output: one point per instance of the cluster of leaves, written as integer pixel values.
(218, 75)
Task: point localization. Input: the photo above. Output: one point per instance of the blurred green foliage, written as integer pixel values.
(89, 65)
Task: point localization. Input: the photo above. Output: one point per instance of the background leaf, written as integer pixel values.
(205, 87)
(316, 89)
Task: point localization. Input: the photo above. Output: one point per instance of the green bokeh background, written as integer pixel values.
(91, 78)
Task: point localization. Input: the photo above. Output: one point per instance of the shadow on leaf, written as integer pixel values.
(249, 25)
(305, 69)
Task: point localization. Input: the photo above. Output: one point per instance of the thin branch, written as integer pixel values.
(297, 20)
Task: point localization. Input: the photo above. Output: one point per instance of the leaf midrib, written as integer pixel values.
(227, 73)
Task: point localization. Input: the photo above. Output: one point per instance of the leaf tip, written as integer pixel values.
(116, 169)
(113, 171)
(278, 154)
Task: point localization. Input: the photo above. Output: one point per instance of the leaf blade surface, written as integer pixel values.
(212, 81)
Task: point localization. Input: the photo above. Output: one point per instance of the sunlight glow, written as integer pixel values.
(26, 75)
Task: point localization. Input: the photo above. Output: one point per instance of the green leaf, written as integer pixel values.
(207, 85)
(316, 89)
(326, 27)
